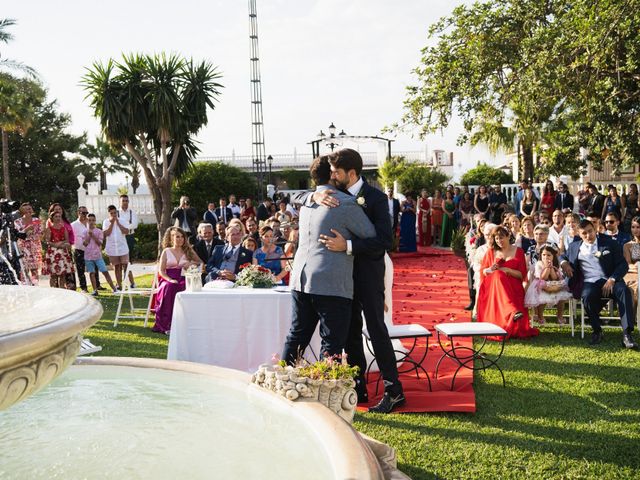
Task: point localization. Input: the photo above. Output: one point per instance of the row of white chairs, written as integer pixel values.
(573, 308)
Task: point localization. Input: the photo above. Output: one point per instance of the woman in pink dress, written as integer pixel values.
(501, 295)
(176, 256)
(424, 220)
(31, 247)
(57, 259)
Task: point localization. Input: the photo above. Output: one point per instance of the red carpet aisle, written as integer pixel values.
(430, 287)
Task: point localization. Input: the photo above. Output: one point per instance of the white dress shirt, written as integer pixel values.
(390, 202)
(79, 229)
(554, 236)
(354, 190)
(591, 268)
(116, 244)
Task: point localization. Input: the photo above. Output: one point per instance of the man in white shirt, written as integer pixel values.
(79, 229)
(558, 229)
(129, 220)
(116, 243)
(235, 208)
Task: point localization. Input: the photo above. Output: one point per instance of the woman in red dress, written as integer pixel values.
(501, 296)
(424, 220)
(248, 211)
(548, 198)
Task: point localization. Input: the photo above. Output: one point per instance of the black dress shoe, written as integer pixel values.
(470, 306)
(388, 403)
(596, 338)
(517, 316)
(628, 341)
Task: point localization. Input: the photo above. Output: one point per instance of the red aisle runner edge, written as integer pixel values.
(430, 287)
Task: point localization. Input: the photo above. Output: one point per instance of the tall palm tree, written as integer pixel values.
(153, 106)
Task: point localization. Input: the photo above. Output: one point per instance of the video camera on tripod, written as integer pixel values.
(10, 254)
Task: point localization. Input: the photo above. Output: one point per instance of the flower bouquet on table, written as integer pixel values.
(329, 381)
(255, 276)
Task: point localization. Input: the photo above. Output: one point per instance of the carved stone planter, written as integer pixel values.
(338, 396)
(39, 336)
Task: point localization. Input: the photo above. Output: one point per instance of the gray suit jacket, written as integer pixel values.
(316, 269)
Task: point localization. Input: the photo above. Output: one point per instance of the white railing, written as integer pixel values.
(97, 203)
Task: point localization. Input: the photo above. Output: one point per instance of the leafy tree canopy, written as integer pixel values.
(535, 76)
(209, 181)
(412, 177)
(484, 174)
(42, 168)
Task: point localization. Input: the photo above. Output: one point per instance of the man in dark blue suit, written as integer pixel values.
(368, 276)
(225, 261)
(564, 200)
(596, 268)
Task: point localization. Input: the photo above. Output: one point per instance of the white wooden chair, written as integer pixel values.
(87, 348)
(129, 292)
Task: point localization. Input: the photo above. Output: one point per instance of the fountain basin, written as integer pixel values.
(39, 336)
(142, 418)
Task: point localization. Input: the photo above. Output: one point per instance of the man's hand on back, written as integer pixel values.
(325, 198)
(335, 244)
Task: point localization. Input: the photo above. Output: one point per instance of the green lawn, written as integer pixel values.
(569, 411)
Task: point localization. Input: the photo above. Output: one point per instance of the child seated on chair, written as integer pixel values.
(93, 261)
(548, 286)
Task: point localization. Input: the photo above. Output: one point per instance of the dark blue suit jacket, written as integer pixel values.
(215, 261)
(611, 260)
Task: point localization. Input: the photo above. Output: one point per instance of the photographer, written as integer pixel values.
(185, 217)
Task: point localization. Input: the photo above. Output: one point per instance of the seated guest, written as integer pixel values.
(270, 254)
(237, 222)
(204, 247)
(526, 237)
(541, 237)
(557, 229)
(612, 225)
(176, 255)
(597, 224)
(250, 244)
(221, 228)
(501, 296)
(247, 211)
(224, 263)
(252, 230)
(210, 215)
(631, 252)
(596, 268)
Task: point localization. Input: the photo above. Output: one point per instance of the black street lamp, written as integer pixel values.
(270, 162)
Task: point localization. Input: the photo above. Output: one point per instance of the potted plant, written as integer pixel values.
(458, 241)
(329, 381)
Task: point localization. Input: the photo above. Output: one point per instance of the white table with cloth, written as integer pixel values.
(235, 328)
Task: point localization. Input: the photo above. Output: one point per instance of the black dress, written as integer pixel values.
(483, 204)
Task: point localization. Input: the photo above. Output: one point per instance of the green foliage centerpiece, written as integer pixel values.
(329, 381)
(458, 240)
(255, 276)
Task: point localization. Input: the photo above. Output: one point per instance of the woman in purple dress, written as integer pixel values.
(177, 254)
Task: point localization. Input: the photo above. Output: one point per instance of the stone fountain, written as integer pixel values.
(140, 418)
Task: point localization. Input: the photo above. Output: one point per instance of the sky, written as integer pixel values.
(322, 61)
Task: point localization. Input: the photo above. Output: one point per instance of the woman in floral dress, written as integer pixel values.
(31, 247)
(57, 259)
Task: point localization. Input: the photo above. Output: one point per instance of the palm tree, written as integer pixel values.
(7, 63)
(104, 159)
(152, 106)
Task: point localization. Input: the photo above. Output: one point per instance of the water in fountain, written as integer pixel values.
(114, 422)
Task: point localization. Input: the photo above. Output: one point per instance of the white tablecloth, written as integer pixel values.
(234, 328)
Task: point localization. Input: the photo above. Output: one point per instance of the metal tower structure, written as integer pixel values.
(257, 127)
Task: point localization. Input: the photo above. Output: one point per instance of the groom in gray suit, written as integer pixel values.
(322, 280)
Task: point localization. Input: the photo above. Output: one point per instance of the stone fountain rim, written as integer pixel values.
(349, 454)
(49, 334)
